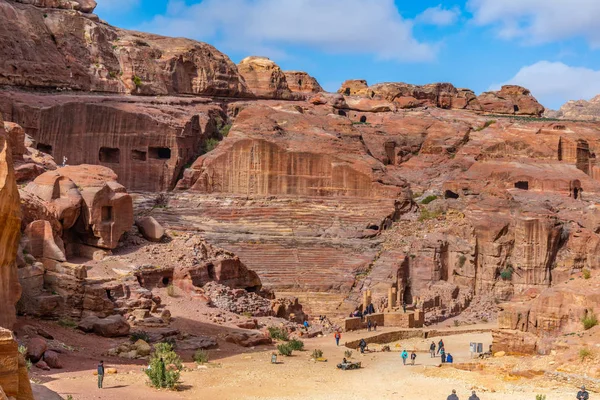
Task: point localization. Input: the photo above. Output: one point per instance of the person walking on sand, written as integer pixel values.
(337, 336)
(453, 396)
(432, 349)
(100, 374)
(369, 326)
(474, 396)
(440, 346)
(404, 306)
(583, 394)
(404, 356)
(375, 326)
(413, 357)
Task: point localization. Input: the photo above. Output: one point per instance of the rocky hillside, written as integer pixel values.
(442, 195)
(578, 110)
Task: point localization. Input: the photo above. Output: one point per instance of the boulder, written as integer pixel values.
(248, 339)
(42, 365)
(150, 229)
(36, 347)
(112, 326)
(52, 359)
(41, 392)
(511, 99)
(143, 349)
(301, 82)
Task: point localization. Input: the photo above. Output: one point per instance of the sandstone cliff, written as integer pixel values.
(58, 48)
(10, 215)
(578, 110)
(14, 380)
(264, 78)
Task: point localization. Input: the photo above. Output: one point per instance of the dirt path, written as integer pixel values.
(251, 376)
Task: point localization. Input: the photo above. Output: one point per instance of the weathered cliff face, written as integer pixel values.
(264, 78)
(10, 215)
(146, 142)
(511, 99)
(58, 48)
(14, 380)
(404, 95)
(301, 82)
(578, 109)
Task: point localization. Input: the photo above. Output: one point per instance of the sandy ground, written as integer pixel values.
(251, 376)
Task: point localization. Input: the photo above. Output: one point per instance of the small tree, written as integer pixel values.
(165, 367)
(201, 356)
(317, 353)
(285, 349)
(589, 321)
(296, 345)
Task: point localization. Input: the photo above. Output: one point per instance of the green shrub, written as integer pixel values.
(165, 367)
(278, 333)
(296, 345)
(23, 349)
(67, 323)
(139, 335)
(171, 290)
(69, 397)
(210, 145)
(427, 215)
(587, 274)
(285, 349)
(540, 397)
(224, 131)
(589, 321)
(28, 364)
(201, 356)
(429, 199)
(506, 273)
(584, 354)
(137, 81)
(348, 354)
(486, 125)
(317, 353)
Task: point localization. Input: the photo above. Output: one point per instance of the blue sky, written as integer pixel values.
(550, 46)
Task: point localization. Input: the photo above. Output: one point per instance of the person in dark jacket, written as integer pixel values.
(432, 349)
(443, 356)
(474, 396)
(453, 396)
(413, 357)
(369, 325)
(583, 394)
(362, 345)
(440, 346)
(100, 374)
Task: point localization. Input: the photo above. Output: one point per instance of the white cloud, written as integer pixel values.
(438, 16)
(540, 21)
(554, 83)
(266, 26)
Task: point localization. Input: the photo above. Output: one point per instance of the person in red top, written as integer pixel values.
(337, 336)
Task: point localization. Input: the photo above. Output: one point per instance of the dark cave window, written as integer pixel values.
(109, 155)
(160, 153)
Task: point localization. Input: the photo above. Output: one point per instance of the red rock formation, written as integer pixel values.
(403, 95)
(146, 142)
(54, 49)
(10, 215)
(301, 82)
(511, 99)
(264, 78)
(578, 110)
(14, 380)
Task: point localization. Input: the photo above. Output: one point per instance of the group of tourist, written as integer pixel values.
(370, 309)
(404, 356)
(441, 350)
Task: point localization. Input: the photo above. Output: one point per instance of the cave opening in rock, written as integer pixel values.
(449, 194)
(390, 152)
(109, 294)
(363, 119)
(407, 296)
(210, 268)
(109, 155)
(342, 113)
(523, 185)
(347, 91)
(516, 108)
(252, 289)
(44, 148)
(159, 153)
(138, 155)
(165, 281)
(576, 193)
(107, 214)
(300, 82)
